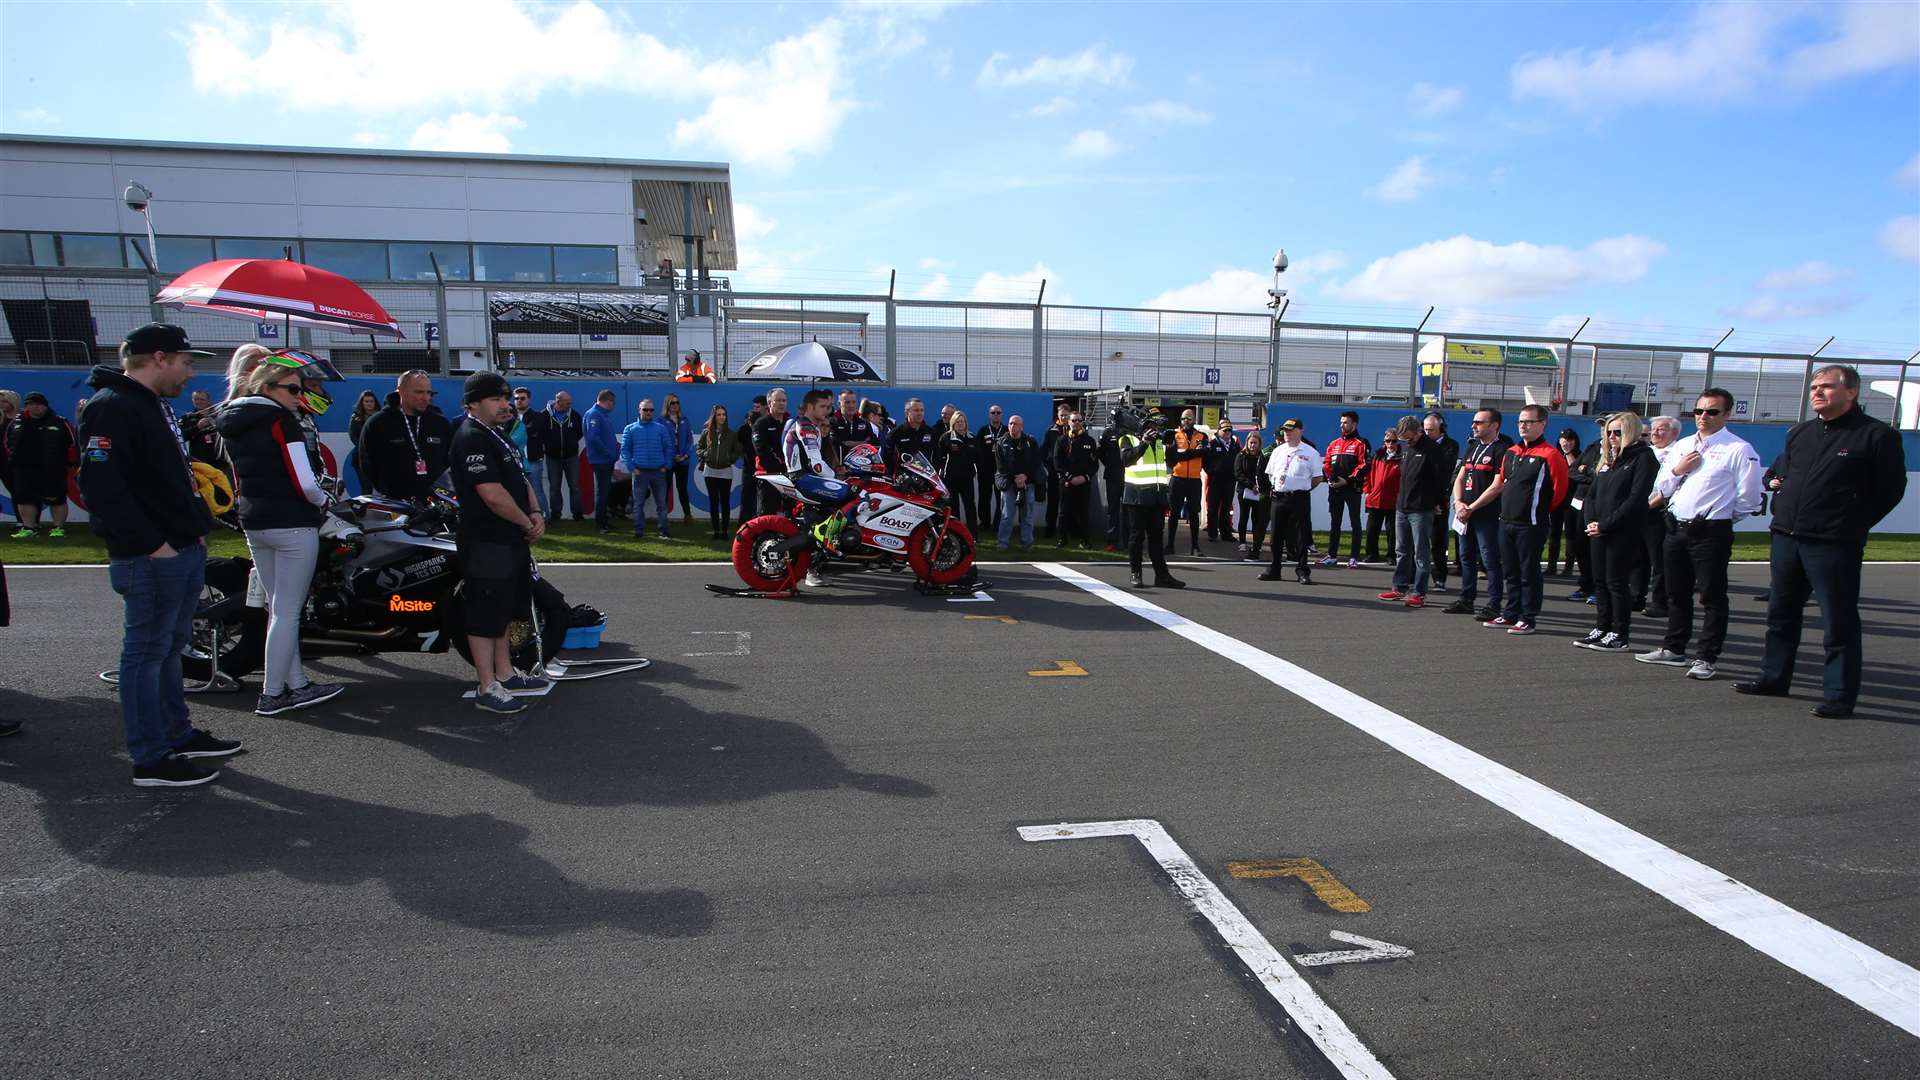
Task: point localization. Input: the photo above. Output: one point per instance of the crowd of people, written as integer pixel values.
(1646, 514)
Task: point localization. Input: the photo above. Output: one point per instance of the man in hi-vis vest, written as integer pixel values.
(1144, 457)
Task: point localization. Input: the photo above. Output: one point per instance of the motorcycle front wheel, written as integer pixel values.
(948, 566)
(757, 557)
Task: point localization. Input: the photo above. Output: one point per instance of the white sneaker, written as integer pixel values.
(1663, 656)
(1701, 669)
(813, 579)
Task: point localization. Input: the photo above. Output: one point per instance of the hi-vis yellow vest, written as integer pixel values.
(1151, 469)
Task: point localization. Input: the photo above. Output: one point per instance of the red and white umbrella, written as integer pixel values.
(276, 290)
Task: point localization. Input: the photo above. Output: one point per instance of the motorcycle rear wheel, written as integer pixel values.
(758, 560)
(243, 633)
(951, 564)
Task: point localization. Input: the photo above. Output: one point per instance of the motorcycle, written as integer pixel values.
(907, 515)
(388, 580)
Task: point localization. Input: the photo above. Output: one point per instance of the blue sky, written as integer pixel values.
(1684, 167)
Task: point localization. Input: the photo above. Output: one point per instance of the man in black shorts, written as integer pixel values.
(498, 520)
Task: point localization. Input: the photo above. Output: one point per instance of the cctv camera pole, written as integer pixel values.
(1278, 301)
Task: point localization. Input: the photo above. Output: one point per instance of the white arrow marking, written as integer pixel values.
(1342, 1048)
(1373, 950)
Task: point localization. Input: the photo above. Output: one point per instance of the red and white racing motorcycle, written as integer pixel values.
(909, 515)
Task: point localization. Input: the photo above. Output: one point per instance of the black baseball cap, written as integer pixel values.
(160, 337)
(1289, 424)
(482, 385)
(33, 396)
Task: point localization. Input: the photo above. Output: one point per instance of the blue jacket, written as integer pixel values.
(682, 436)
(601, 436)
(649, 445)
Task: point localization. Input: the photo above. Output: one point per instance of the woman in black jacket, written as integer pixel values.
(959, 467)
(280, 499)
(1615, 513)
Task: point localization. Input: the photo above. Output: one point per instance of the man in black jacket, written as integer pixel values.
(37, 446)
(1017, 474)
(1423, 474)
(1075, 458)
(1113, 480)
(403, 448)
(539, 428)
(1843, 471)
(138, 481)
(1049, 492)
(563, 456)
(1448, 448)
(988, 444)
(914, 436)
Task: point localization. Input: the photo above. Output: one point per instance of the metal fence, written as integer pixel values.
(75, 317)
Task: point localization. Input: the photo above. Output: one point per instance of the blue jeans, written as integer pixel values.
(160, 597)
(1016, 502)
(1520, 559)
(563, 471)
(1480, 550)
(649, 482)
(537, 479)
(1414, 532)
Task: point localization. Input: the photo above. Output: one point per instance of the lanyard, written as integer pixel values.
(412, 424)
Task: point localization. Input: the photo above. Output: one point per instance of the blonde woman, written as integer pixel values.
(959, 463)
(1616, 515)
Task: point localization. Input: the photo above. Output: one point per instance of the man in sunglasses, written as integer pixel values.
(1711, 480)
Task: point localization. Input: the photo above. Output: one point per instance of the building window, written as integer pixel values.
(513, 262)
(178, 254)
(83, 249)
(410, 261)
(247, 247)
(585, 265)
(361, 260)
(14, 249)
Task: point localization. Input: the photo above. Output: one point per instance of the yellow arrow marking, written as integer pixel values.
(1312, 874)
(1008, 619)
(1067, 667)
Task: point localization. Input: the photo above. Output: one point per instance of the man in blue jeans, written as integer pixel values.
(136, 475)
(1476, 485)
(1422, 493)
(646, 452)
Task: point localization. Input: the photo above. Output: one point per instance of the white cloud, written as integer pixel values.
(1406, 183)
(1463, 270)
(1808, 275)
(1058, 106)
(1093, 64)
(1426, 99)
(1018, 286)
(35, 117)
(1092, 144)
(1169, 112)
(1245, 290)
(766, 108)
(1900, 238)
(1772, 309)
(936, 289)
(1910, 175)
(1727, 52)
(370, 138)
(467, 132)
(931, 263)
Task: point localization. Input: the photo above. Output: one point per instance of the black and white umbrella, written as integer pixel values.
(811, 360)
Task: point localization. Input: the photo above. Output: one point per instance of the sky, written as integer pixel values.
(1668, 170)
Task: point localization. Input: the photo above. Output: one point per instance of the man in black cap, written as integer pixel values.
(138, 481)
(37, 449)
(498, 520)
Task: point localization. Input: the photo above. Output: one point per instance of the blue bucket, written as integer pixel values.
(583, 637)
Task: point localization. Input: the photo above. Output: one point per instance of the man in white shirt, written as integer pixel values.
(1649, 574)
(1711, 479)
(1295, 470)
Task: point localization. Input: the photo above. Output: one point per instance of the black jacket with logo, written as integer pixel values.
(564, 441)
(39, 447)
(1839, 478)
(387, 451)
(906, 439)
(1075, 455)
(134, 470)
(1618, 499)
(1017, 457)
(1425, 473)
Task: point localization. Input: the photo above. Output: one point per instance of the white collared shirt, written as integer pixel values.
(1292, 468)
(1724, 487)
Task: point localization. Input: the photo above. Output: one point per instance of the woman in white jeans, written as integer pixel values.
(279, 500)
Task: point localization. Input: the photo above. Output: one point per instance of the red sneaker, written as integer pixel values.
(1416, 601)
(1393, 594)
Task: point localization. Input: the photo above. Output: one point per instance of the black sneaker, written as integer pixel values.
(1487, 614)
(313, 694)
(1458, 607)
(1136, 582)
(1594, 637)
(1168, 583)
(9, 727)
(1611, 643)
(205, 745)
(1270, 576)
(173, 772)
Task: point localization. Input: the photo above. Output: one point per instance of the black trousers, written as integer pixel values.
(1053, 502)
(1185, 493)
(1830, 571)
(1220, 508)
(1345, 499)
(1650, 573)
(749, 493)
(1143, 527)
(1075, 523)
(962, 493)
(1376, 521)
(680, 474)
(720, 504)
(1253, 523)
(1696, 556)
(1292, 519)
(1442, 529)
(1116, 513)
(1615, 560)
(989, 499)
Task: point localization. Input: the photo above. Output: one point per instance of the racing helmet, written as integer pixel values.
(865, 459)
(314, 372)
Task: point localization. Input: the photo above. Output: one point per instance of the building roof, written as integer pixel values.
(361, 151)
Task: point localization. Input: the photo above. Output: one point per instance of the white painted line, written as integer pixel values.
(976, 598)
(1314, 1018)
(1370, 949)
(742, 642)
(1862, 974)
(92, 856)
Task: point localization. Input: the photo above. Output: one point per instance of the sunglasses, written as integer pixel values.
(1706, 412)
(1614, 433)
(290, 387)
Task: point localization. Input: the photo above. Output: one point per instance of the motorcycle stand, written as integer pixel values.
(958, 588)
(218, 682)
(756, 594)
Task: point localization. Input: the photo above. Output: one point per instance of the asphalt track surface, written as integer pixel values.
(796, 853)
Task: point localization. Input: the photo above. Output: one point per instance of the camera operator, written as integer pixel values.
(1143, 454)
